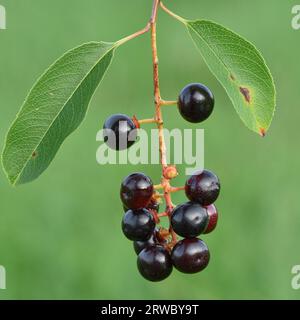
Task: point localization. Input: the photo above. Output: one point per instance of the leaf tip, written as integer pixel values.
(262, 132)
(12, 180)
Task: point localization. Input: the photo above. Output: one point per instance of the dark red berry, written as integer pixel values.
(141, 245)
(119, 132)
(189, 220)
(190, 255)
(154, 263)
(138, 225)
(196, 102)
(203, 187)
(212, 218)
(136, 191)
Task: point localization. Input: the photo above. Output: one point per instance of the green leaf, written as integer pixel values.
(241, 70)
(54, 108)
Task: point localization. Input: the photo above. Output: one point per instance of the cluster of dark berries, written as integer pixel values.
(159, 249)
(156, 257)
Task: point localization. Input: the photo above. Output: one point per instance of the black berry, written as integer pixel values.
(189, 220)
(154, 263)
(195, 102)
(212, 218)
(136, 191)
(141, 245)
(190, 255)
(138, 225)
(203, 187)
(119, 132)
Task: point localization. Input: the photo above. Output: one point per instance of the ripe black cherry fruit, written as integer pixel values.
(154, 263)
(196, 102)
(136, 191)
(141, 245)
(203, 187)
(120, 132)
(138, 225)
(189, 220)
(190, 255)
(212, 218)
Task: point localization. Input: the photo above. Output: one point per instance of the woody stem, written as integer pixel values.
(158, 116)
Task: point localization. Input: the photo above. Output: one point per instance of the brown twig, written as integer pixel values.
(158, 116)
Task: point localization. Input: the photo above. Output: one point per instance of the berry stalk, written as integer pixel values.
(168, 103)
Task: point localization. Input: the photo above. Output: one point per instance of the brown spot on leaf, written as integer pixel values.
(232, 77)
(262, 132)
(34, 154)
(246, 93)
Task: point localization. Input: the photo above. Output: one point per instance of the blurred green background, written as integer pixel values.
(60, 236)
